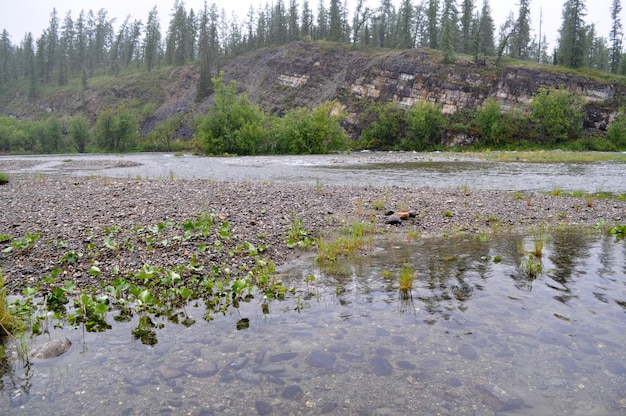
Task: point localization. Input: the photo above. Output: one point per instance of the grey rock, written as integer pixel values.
(249, 377)
(321, 359)
(52, 348)
(292, 392)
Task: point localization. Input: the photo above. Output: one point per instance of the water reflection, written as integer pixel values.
(470, 334)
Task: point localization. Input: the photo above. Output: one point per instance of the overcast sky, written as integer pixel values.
(19, 17)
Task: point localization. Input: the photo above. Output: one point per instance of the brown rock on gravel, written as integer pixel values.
(71, 212)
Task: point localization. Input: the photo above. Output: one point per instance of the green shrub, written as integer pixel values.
(617, 131)
(78, 131)
(302, 131)
(383, 125)
(233, 124)
(116, 131)
(559, 114)
(488, 122)
(426, 125)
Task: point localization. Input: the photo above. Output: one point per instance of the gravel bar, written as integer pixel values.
(69, 213)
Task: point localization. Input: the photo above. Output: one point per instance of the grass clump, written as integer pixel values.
(356, 237)
(8, 321)
(406, 277)
(4, 178)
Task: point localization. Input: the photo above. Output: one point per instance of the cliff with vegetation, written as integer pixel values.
(307, 74)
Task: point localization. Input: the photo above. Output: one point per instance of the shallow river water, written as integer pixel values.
(433, 170)
(475, 335)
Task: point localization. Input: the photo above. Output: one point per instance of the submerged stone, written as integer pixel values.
(293, 392)
(381, 367)
(468, 352)
(239, 363)
(263, 408)
(52, 348)
(321, 359)
(202, 369)
(285, 356)
(249, 377)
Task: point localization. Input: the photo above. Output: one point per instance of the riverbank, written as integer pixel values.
(76, 223)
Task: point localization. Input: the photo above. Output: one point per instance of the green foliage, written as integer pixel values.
(302, 131)
(426, 125)
(617, 131)
(383, 124)
(116, 131)
(4, 178)
(559, 114)
(488, 121)
(233, 124)
(78, 131)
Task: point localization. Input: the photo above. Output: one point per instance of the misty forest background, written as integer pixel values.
(87, 49)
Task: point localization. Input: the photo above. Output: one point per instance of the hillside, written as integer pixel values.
(304, 74)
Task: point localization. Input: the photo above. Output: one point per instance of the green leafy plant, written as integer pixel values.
(619, 231)
(297, 235)
(24, 244)
(4, 178)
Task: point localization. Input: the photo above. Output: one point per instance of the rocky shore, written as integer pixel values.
(69, 219)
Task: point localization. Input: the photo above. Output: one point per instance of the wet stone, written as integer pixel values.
(454, 382)
(169, 373)
(272, 369)
(249, 377)
(340, 347)
(382, 332)
(239, 363)
(275, 380)
(468, 352)
(285, 356)
(380, 366)
(321, 359)
(258, 359)
(384, 352)
(406, 365)
(328, 407)
(52, 349)
(498, 399)
(202, 369)
(263, 408)
(292, 392)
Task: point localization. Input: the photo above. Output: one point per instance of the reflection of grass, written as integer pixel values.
(531, 267)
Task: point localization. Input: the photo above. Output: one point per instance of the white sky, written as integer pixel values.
(34, 15)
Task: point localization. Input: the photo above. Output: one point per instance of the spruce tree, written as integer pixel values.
(572, 43)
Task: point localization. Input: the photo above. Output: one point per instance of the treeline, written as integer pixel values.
(234, 125)
(90, 44)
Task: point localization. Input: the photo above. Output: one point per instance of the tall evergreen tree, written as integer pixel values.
(615, 37)
(448, 32)
(405, 29)
(152, 39)
(433, 24)
(306, 20)
(572, 43)
(520, 40)
(466, 26)
(6, 53)
(322, 21)
(334, 21)
(293, 28)
(486, 42)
